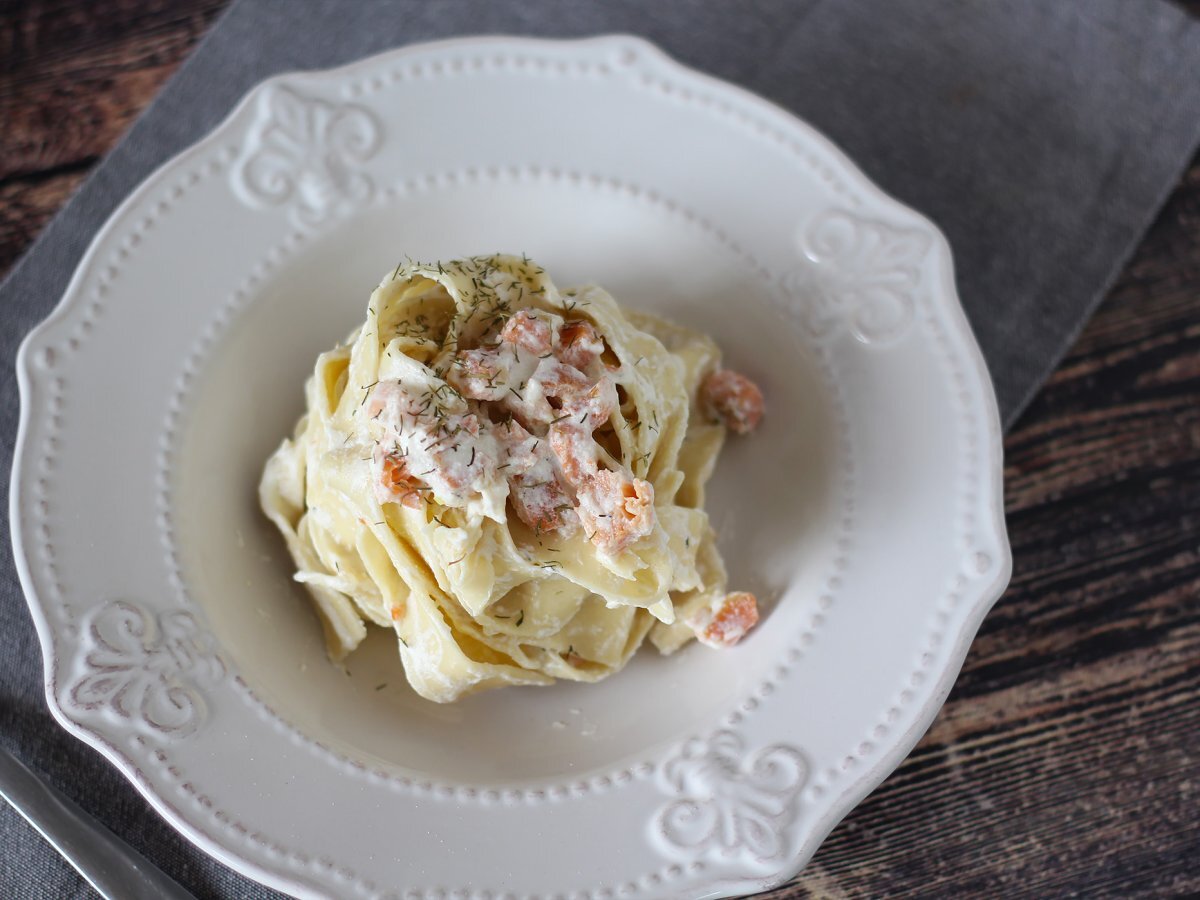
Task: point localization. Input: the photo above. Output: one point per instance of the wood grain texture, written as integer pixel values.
(73, 76)
(1067, 760)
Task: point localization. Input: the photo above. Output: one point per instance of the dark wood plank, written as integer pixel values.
(27, 204)
(73, 76)
(1066, 761)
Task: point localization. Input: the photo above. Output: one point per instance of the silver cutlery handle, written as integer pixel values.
(112, 867)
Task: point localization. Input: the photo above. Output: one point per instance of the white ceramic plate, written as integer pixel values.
(866, 514)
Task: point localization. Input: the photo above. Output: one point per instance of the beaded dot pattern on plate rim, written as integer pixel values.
(46, 359)
(447, 180)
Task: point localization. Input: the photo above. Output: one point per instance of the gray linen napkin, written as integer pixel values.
(1041, 136)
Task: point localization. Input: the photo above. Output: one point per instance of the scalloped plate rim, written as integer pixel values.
(981, 599)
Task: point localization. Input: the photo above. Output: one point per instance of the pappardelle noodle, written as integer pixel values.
(512, 478)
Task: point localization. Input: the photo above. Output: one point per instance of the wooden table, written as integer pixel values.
(1067, 760)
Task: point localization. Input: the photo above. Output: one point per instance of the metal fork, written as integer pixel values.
(111, 866)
